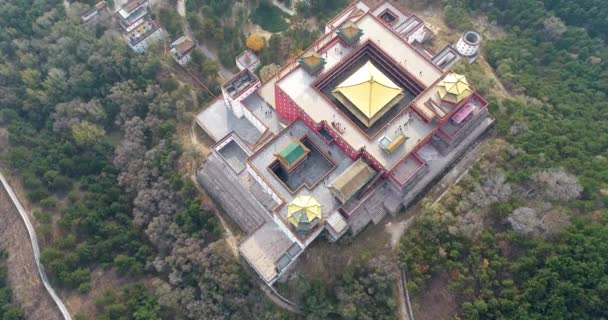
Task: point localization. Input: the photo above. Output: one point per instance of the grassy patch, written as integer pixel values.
(269, 17)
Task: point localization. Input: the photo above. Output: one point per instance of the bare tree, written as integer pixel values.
(526, 221)
(72, 113)
(556, 185)
(494, 188)
(554, 27)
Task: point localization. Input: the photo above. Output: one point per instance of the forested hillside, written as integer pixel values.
(8, 310)
(92, 133)
(524, 235)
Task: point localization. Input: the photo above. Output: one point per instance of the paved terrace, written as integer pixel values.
(263, 248)
(265, 157)
(297, 85)
(308, 173)
(234, 155)
(264, 112)
(218, 122)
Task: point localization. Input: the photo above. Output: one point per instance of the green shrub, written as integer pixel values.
(269, 17)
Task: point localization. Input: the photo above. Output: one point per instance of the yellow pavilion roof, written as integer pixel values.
(350, 29)
(303, 209)
(454, 88)
(369, 90)
(311, 58)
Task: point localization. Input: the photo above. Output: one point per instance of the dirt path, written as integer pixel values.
(181, 8)
(28, 289)
(397, 228)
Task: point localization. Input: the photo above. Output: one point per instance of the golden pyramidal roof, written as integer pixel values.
(454, 88)
(369, 90)
(303, 211)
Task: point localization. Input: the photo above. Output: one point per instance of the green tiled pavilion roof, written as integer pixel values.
(292, 152)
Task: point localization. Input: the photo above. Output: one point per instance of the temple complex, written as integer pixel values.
(357, 127)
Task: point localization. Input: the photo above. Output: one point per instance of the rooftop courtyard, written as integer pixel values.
(330, 157)
(308, 173)
(328, 88)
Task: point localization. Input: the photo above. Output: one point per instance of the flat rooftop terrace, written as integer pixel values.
(263, 111)
(240, 82)
(217, 121)
(263, 249)
(234, 155)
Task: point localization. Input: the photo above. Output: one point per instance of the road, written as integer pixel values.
(35, 248)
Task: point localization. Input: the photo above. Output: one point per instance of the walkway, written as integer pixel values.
(283, 8)
(35, 247)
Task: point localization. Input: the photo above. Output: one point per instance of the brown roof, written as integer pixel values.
(350, 29)
(311, 58)
(184, 46)
(133, 4)
(352, 180)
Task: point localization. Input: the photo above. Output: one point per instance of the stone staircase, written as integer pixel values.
(225, 188)
(257, 191)
(378, 214)
(265, 137)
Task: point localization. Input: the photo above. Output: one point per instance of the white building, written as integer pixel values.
(247, 60)
(93, 13)
(140, 38)
(237, 89)
(468, 44)
(181, 50)
(132, 14)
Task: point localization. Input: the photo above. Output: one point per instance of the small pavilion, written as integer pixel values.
(350, 33)
(312, 62)
(292, 155)
(453, 88)
(304, 212)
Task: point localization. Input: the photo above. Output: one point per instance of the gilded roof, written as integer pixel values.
(311, 58)
(454, 87)
(368, 89)
(303, 209)
(350, 29)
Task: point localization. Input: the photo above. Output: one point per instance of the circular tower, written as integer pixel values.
(468, 44)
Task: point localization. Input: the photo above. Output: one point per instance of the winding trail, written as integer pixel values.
(35, 248)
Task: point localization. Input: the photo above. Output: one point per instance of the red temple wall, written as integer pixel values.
(285, 106)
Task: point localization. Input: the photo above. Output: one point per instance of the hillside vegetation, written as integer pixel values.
(8, 310)
(524, 235)
(92, 132)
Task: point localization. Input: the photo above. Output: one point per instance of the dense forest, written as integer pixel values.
(92, 133)
(524, 235)
(8, 311)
